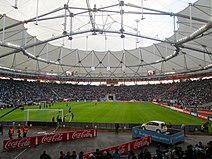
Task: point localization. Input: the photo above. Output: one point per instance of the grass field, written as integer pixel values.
(107, 112)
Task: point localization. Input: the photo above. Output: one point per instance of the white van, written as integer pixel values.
(157, 126)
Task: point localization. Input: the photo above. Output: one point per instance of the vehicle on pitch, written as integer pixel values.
(157, 126)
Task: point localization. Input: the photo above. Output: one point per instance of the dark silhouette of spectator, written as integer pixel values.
(68, 156)
(104, 155)
(108, 154)
(80, 156)
(62, 155)
(74, 155)
(116, 128)
(160, 152)
(189, 153)
(208, 150)
(116, 154)
(44, 155)
(141, 155)
(131, 155)
(147, 154)
(169, 125)
(183, 129)
(19, 132)
(91, 156)
(1, 128)
(98, 154)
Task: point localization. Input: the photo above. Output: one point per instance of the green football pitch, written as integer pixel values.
(104, 112)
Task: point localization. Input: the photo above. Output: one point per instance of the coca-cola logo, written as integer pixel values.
(82, 134)
(122, 149)
(140, 143)
(52, 138)
(11, 144)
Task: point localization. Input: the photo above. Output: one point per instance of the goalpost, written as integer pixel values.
(42, 114)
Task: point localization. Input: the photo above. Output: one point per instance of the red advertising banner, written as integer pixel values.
(82, 134)
(126, 147)
(48, 138)
(186, 111)
(19, 143)
(203, 116)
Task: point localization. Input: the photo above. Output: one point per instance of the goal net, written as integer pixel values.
(43, 114)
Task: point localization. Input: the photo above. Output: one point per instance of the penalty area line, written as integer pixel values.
(20, 153)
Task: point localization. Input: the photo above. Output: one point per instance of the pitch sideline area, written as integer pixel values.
(103, 140)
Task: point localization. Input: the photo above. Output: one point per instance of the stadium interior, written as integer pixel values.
(109, 51)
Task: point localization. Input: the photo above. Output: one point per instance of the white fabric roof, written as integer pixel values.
(46, 48)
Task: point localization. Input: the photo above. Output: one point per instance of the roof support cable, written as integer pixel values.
(175, 31)
(121, 4)
(123, 61)
(3, 31)
(65, 20)
(142, 9)
(36, 22)
(108, 54)
(211, 10)
(71, 26)
(137, 32)
(91, 16)
(16, 4)
(190, 15)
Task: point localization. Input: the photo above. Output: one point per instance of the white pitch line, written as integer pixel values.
(20, 153)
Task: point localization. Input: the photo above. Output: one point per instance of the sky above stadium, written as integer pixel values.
(155, 26)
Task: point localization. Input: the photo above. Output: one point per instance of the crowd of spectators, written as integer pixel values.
(199, 151)
(191, 93)
(186, 93)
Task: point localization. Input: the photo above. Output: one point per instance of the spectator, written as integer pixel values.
(19, 132)
(147, 154)
(68, 156)
(74, 155)
(141, 155)
(160, 152)
(186, 94)
(80, 156)
(116, 154)
(98, 154)
(91, 156)
(109, 155)
(104, 155)
(131, 155)
(62, 155)
(1, 128)
(208, 150)
(44, 155)
(189, 153)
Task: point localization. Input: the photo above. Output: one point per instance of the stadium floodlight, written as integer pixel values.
(34, 114)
